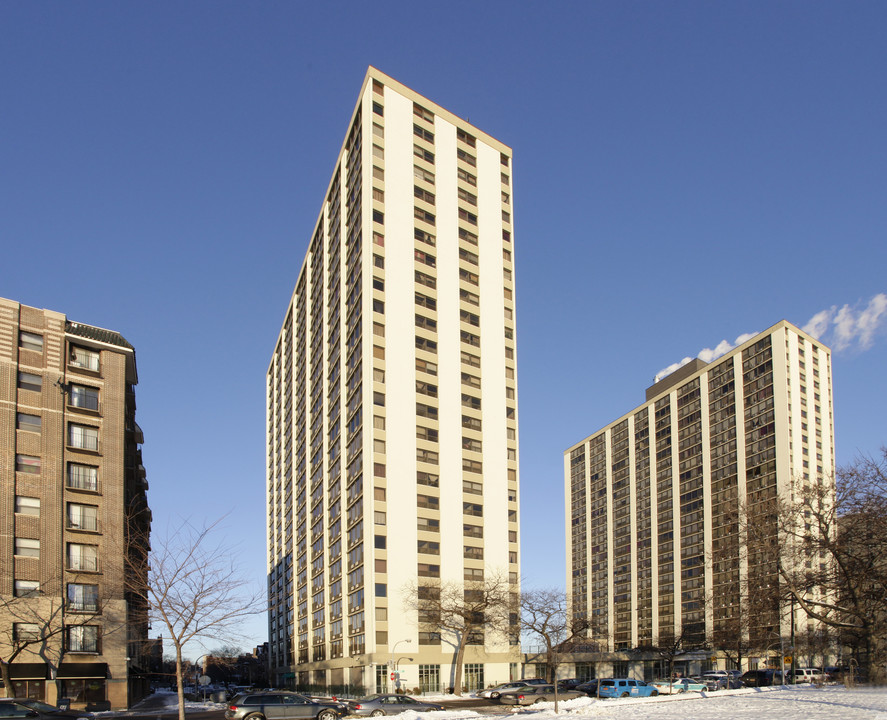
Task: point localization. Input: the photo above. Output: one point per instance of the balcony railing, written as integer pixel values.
(91, 606)
(83, 564)
(87, 524)
(77, 482)
(84, 442)
(84, 402)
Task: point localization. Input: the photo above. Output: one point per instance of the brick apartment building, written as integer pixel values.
(73, 509)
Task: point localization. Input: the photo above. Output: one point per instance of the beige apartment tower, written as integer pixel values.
(660, 502)
(392, 444)
(73, 508)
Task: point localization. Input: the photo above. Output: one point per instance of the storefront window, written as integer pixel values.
(84, 691)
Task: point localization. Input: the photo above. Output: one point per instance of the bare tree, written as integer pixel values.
(461, 613)
(834, 564)
(544, 614)
(195, 590)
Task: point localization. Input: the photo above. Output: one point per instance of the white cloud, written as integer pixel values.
(818, 324)
(707, 355)
(870, 320)
(842, 328)
(849, 326)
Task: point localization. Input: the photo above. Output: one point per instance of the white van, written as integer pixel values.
(807, 675)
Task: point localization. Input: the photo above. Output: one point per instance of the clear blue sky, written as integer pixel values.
(685, 172)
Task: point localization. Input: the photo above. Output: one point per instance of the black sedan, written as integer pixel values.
(34, 709)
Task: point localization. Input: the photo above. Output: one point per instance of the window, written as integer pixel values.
(472, 488)
(83, 638)
(428, 456)
(429, 547)
(421, 132)
(83, 437)
(466, 176)
(30, 381)
(381, 590)
(473, 509)
(27, 588)
(379, 517)
(423, 194)
(428, 501)
(27, 547)
(82, 477)
(428, 570)
(83, 517)
(25, 632)
(84, 397)
(422, 174)
(426, 366)
(428, 524)
(30, 341)
(83, 598)
(27, 464)
(426, 478)
(471, 423)
(83, 557)
(27, 505)
(424, 237)
(476, 531)
(84, 358)
(29, 423)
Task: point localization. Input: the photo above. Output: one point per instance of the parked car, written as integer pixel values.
(494, 692)
(341, 705)
(625, 687)
(532, 694)
(535, 681)
(27, 708)
(721, 680)
(389, 704)
(761, 678)
(589, 687)
(281, 706)
(680, 685)
(807, 675)
(569, 683)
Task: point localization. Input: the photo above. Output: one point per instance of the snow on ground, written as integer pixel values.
(796, 703)
(800, 703)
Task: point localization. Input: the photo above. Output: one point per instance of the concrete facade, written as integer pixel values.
(392, 445)
(72, 487)
(660, 501)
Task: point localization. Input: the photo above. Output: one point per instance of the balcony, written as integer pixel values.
(83, 564)
(77, 482)
(84, 524)
(87, 605)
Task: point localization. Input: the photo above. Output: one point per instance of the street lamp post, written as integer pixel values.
(392, 665)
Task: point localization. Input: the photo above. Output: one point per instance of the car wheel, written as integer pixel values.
(254, 716)
(539, 700)
(654, 693)
(494, 696)
(377, 713)
(327, 715)
(625, 694)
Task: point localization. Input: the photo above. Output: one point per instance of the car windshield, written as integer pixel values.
(37, 705)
